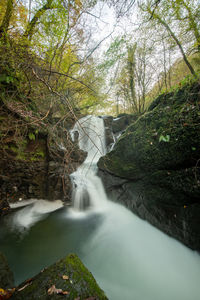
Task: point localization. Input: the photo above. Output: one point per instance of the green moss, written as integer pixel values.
(141, 150)
(80, 282)
(27, 150)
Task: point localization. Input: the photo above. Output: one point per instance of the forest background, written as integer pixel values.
(63, 57)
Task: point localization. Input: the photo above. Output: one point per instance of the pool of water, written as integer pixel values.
(129, 258)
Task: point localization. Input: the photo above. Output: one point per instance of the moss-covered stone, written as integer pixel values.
(69, 275)
(158, 158)
(166, 137)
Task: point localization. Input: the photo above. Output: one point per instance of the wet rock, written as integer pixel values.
(67, 278)
(159, 155)
(6, 275)
(114, 127)
(122, 121)
(110, 139)
(40, 169)
(173, 211)
(108, 121)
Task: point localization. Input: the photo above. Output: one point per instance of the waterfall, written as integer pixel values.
(88, 191)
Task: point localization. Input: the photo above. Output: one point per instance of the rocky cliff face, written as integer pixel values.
(36, 158)
(154, 167)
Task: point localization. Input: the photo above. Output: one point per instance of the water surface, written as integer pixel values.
(129, 258)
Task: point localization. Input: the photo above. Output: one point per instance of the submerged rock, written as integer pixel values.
(158, 156)
(66, 279)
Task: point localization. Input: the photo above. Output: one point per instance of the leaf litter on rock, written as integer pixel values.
(53, 290)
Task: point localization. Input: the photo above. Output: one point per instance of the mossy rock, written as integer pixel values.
(69, 275)
(158, 159)
(165, 138)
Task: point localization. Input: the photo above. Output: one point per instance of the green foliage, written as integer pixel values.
(31, 136)
(165, 139)
(115, 52)
(6, 78)
(37, 155)
(179, 76)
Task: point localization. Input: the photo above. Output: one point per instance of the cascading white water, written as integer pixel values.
(129, 258)
(88, 190)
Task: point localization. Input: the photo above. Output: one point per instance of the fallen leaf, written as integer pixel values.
(65, 293)
(43, 270)
(6, 294)
(54, 290)
(22, 288)
(65, 277)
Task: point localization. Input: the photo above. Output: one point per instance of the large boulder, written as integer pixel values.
(158, 157)
(66, 279)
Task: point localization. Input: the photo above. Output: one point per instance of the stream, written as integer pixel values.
(129, 258)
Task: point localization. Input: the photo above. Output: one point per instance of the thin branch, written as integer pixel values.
(75, 79)
(96, 17)
(92, 51)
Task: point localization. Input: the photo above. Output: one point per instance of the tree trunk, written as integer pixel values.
(31, 25)
(193, 25)
(131, 71)
(176, 40)
(6, 19)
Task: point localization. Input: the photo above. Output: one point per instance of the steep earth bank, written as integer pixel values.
(154, 168)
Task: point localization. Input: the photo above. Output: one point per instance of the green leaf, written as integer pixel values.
(31, 136)
(165, 139)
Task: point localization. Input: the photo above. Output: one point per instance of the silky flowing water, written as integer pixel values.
(129, 258)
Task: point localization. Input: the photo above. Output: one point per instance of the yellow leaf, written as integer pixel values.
(2, 292)
(6, 294)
